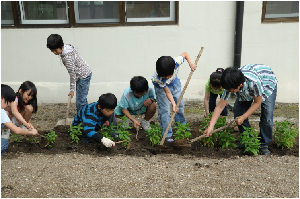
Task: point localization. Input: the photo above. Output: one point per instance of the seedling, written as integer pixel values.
(123, 131)
(227, 139)
(106, 131)
(16, 137)
(51, 138)
(75, 131)
(285, 134)
(154, 134)
(251, 141)
(209, 141)
(181, 131)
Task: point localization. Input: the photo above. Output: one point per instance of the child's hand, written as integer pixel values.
(107, 142)
(175, 111)
(193, 66)
(33, 132)
(71, 93)
(136, 124)
(207, 132)
(147, 102)
(239, 120)
(29, 126)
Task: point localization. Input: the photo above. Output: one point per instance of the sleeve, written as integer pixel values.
(179, 60)
(89, 127)
(257, 89)
(69, 62)
(225, 95)
(207, 87)
(4, 117)
(124, 104)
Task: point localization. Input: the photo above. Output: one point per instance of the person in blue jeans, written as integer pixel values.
(255, 86)
(79, 70)
(167, 88)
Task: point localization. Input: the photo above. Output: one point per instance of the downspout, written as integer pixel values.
(238, 33)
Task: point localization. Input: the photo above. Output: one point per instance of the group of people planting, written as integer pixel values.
(255, 85)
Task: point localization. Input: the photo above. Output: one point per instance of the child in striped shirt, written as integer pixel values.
(255, 85)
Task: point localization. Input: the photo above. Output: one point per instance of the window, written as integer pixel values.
(279, 11)
(35, 14)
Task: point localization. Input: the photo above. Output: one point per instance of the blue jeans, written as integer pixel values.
(266, 118)
(82, 90)
(212, 104)
(163, 102)
(4, 145)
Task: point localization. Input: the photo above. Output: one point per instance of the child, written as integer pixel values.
(93, 115)
(137, 99)
(213, 88)
(79, 71)
(168, 89)
(24, 105)
(8, 97)
(255, 83)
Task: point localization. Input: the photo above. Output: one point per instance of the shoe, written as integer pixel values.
(169, 139)
(5, 133)
(145, 124)
(114, 135)
(265, 151)
(127, 123)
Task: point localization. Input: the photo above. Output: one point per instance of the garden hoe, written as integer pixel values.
(184, 143)
(66, 121)
(177, 105)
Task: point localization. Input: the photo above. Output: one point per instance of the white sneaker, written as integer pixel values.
(127, 123)
(5, 133)
(145, 124)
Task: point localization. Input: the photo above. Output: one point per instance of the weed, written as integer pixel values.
(154, 134)
(16, 137)
(251, 141)
(181, 131)
(75, 131)
(51, 138)
(285, 134)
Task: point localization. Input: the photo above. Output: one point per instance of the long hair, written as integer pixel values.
(25, 86)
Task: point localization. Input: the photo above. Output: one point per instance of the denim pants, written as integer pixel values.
(82, 90)
(266, 118)
(4, 145)
(212, 104)
(164, 106)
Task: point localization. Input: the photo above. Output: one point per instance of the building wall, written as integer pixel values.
(116, 54)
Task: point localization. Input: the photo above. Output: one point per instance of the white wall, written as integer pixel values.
(274, 44)
(116, 54)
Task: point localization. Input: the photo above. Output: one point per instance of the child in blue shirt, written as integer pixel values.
(139, 98)
(255, 86)
(168, 89)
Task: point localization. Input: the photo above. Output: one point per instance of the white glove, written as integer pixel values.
(107, 142)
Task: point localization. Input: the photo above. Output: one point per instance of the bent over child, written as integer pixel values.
(168, 89)
(139, 98)
(255, 86)
(93, 115)
(79, 70)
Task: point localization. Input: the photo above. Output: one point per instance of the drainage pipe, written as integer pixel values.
(238, 33)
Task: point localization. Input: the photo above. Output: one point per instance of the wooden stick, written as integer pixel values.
(68, 108)
(179, 100)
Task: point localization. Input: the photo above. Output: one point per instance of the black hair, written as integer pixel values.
(215, 78)
(232, 78)
(165, 66)
(25, 86)
(55, 41)
(107, 101)
(139, 84)
(7, 93)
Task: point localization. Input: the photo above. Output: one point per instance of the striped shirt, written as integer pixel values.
(77, 67)
(162, 81)
(91, 118)
(260, 80)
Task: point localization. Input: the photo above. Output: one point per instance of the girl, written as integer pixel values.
(213, 88)
(25, 104)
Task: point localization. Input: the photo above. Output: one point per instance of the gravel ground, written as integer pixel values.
(165, 175)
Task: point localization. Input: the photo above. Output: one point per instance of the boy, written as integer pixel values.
(137, 99)
(255, 83)
(7, 96)
(168, 89)
(80, 72)
(93, 115)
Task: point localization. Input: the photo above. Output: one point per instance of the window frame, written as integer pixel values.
(72, 22)
(264, 19)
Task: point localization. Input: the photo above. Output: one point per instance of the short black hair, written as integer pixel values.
(7, 93)
(232, 78)
(215, 78)
(55, 41)
(165, 66)
(139, 84)
(107, 101)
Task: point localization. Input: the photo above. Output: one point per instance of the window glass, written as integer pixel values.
(44, 12)
(282, 9)
(97, 11)
(142, 11)
(7, 17)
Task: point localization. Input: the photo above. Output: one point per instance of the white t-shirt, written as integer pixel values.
(4, 118)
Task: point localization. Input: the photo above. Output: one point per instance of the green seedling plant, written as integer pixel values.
(285, 134)
(51, 138)
(123, 131)
(226, 140)
(106, 131)
(249, 138)
(208, 141)
(75, 131)
(181, 131)
(16, 137)
(154, 134)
